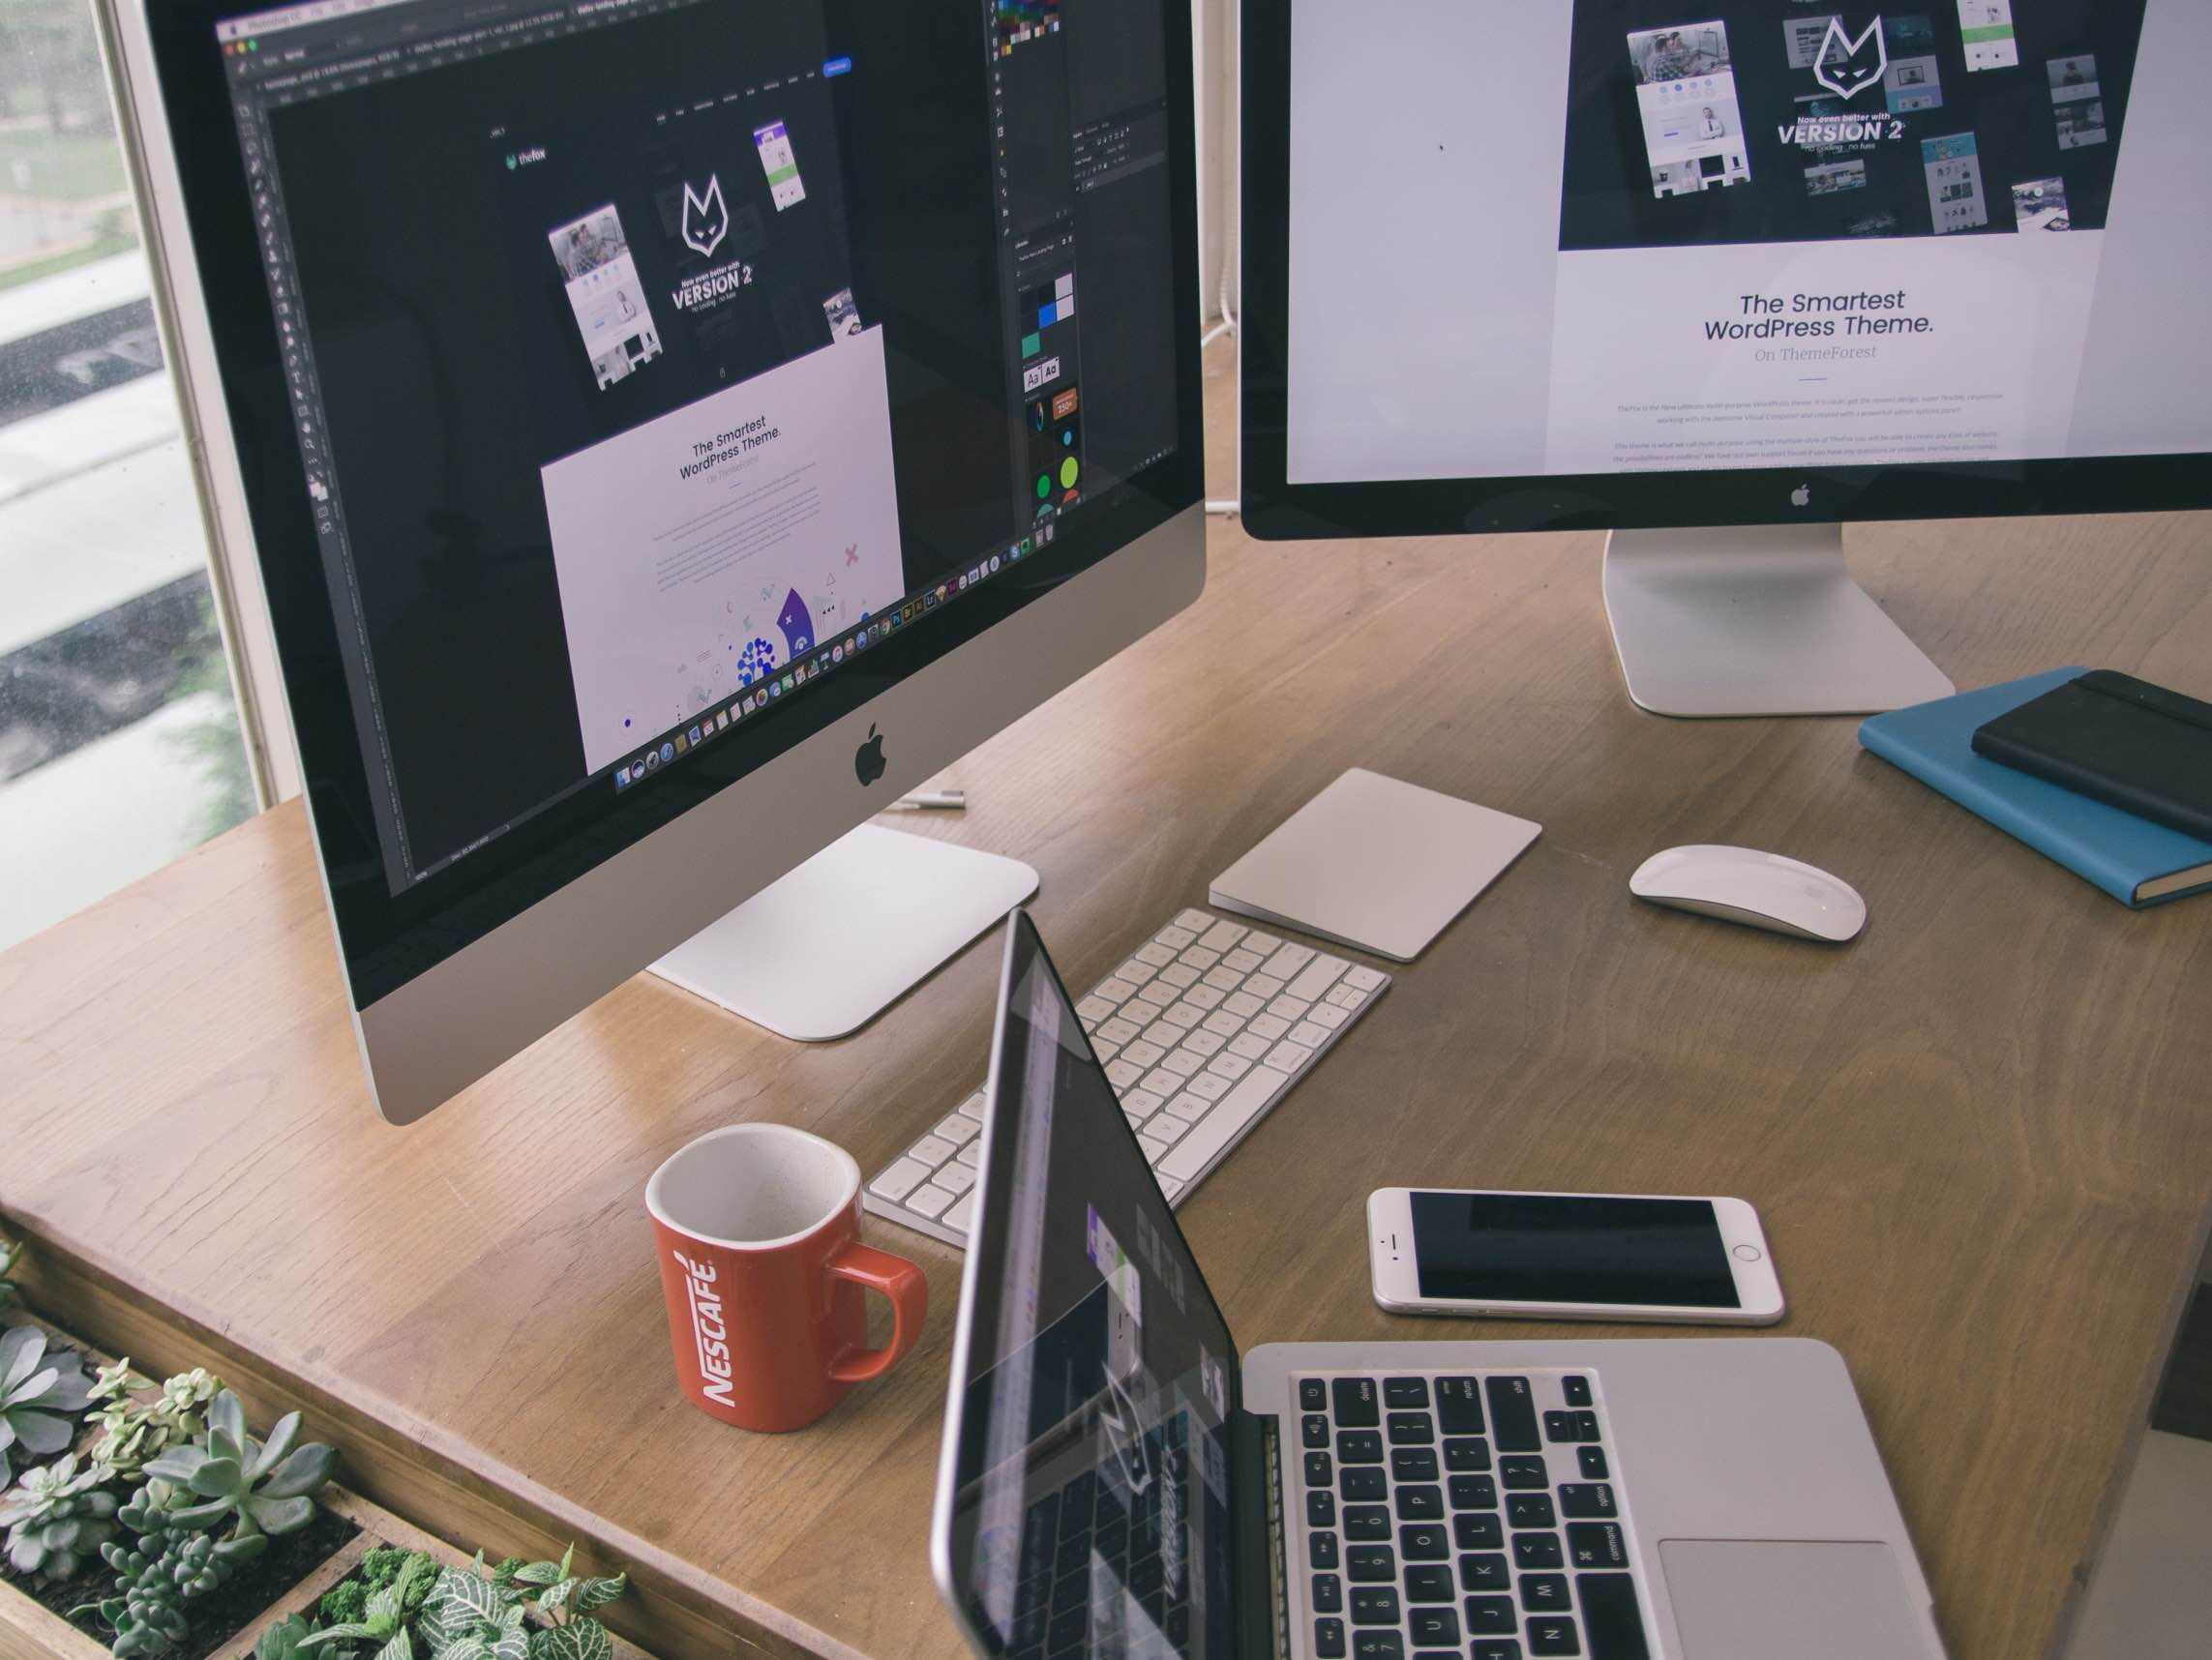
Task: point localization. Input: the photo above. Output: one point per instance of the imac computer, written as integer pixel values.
(1719, 280)
(668, 429)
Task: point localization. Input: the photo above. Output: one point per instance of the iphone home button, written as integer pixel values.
(1747, 1253)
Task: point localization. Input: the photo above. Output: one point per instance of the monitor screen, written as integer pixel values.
(659, 378)
(1627, 236)
(1088, 1507)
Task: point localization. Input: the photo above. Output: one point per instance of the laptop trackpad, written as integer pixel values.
(1754, 1599)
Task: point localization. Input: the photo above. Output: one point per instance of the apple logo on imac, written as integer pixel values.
(868, 760)
(1802, 496)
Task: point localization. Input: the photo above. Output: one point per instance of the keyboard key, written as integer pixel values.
(1366, 1522)
(931, 1150)
(1312, 1395)
(1495, 1648)
(1243, 1004)
(1512, 1414)
(1179, 932)
(1329, 1639)
(1490, 1615)
(1593, 1463)
(1313, 1430)
(1229, 1066)
(956, 1129)
(1405, 1392)
(1434, 1627)
(928, 1200)
(1375, 1605)
(1262, 942)
(1116, 990)
(1155, 955)
(1345, 997)
(1243, 960)
(1209, 1086)
(1122, 1074)
(1141, 1053)
(1154, 1150)
(1577, 1390)
(1179, 975)
(1610, 1616)
(1586, 1425)
(1288, 959)
(1370, 1564)
(1472, 1492)
(1222, 1025)
(1362, 979)
(1413, 1464)
(901, 1179)
(1377, 1645)
(1207, 998)
(957, 1177)
(1247, 1100)
(1358, 1447)
(1411, 1429)
(1562, 1427)
(1536, 1551)
(961, 1214)
(1530, 1510)
(1321, 1549)
(1548, 1636)
(1467, 1453)
(1165, 1128)
(1424, 1542)
(1362, 1484)
(1319, 1469)
(1136, 971)
(1487, 1571)
(1421, 1503)
(1459, 1405)
(1523, 1473)
(971, 1155)
(1591, 1501)
(1327, 1016)
(1222, 935)
(1307, 1035)
(1189, 1108)
(1321, 1510)
(1428, 1582)
(1479, 1532)
(972, 1106)
(1270, 1026)
(1597, 1545)
(1327, 1594)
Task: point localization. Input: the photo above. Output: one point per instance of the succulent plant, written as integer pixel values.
(58, 1519)
(41, 1397)
(267, 1486)
(136, 1429)
(284, 1641)
(173, 1561)
(10, 1255)
(384, 1617)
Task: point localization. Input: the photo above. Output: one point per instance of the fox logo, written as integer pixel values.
(1838, 69)
(705, 220)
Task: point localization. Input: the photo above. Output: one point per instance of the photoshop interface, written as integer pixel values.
(632, 399)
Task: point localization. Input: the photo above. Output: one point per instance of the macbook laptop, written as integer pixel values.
(1117, 1480)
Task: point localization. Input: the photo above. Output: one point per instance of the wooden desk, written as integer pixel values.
(1981, 1137)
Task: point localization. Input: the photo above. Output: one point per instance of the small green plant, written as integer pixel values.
(39, 1402)
(385, 1612)
(284, 1641)
(477, 1616)
(269, 1486)
(136, 1429)
(10, 1255)
(58, 1519)
(173, 1561)
(347, 1603)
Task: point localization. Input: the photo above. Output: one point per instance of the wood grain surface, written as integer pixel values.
(1981, 1137)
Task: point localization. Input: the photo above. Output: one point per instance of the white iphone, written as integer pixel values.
(1571, 1256)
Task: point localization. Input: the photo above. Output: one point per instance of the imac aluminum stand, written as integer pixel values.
(820, 953)
(1757, 620)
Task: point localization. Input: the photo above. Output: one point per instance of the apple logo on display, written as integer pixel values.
(868, 760)
(1802, 496)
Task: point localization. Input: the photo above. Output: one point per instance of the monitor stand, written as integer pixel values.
(1756, 620)
(822, 952)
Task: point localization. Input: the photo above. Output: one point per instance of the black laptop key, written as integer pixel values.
(1360, 1446)
(1377, 1645)
(1495, 1648)
(1412, 1429)
(1321, 1549)
(1424, 1542)
(1370, 1564)
(1405, 1391)
(1536, 1551)
(1485, 1571)
(1586, 1425)
(1321, 1509)
(1512, 1414)
(1491, 1616)
(1530, 1510)
(1588, 1500)
(1523, 1473)
(1374, 1605)
(1317, 1469)
(1356, 1405)
(1146, 1576)
(1362, 1485)
(1312, 1395)
(1413, 1464)
(1075, 1501)
(1547, 1637)
(1564, 1426)
(1421, 1503)
(1597, 1545)
(1466, 1452)
(1576, 1389)
(1459, 1405)
(1313, 1430)
(1067, 1628)
(1545, 1593)
(1329, 1639)
(1473, 1492)
(1428, 1582)
(1366, 1522)
(1610, 1616)
(1029, 1622)
(1593, 1461)
(1327, 1594)
(1433, 1627)
(1479, 1533)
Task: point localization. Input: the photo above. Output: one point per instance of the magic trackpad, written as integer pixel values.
(1754, 1599)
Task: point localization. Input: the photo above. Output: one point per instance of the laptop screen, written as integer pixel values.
(1088, 1503)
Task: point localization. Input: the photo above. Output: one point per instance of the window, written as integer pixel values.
(119, 735)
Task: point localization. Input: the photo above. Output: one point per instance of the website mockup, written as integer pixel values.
(1652, 237)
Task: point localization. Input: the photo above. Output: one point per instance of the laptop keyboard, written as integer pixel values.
(1461, 1517)
(1201, 1032)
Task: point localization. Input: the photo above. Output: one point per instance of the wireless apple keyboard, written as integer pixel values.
(1201, 1032)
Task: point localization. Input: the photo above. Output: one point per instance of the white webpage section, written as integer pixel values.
(703, 547)
(1425, 156)
(1674, 359)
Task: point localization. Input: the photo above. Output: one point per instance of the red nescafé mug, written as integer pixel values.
(757, 1229)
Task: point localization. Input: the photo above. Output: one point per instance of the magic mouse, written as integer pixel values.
(1759, 890)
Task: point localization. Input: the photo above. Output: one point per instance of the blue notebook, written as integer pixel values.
(2136, 862)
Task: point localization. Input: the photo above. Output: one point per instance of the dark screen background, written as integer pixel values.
(1608, 201)
(1551, 1249)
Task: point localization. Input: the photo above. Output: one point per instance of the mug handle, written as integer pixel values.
(908, 1290)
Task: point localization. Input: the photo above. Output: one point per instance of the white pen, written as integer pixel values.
(932, 801)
